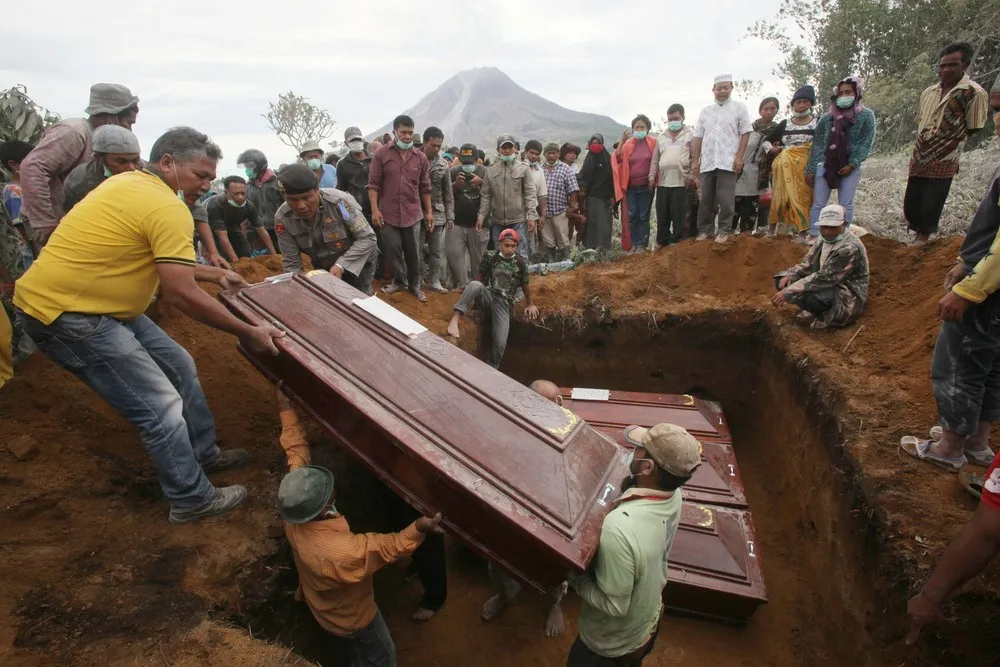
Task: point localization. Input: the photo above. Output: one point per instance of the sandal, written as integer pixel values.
(920, 449)
(392, 288)
(819, 325)
(981, 457)
(805, 318)
(419, 294)
(971, 483)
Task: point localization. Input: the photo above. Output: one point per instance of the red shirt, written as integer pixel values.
(638, 165)
(991, 488)
(400, 184)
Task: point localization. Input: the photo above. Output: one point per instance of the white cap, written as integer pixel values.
(724, 78)
(832, 216)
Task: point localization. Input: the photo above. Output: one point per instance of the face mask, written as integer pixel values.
(240, 205)
(508, 158)
(845, 102)
(468, 168)
(107, 173)
(596, 148)
(404, 145)
(802, 114)
(552, 163)
(640, 134)
(355, 146)
(249, 171)
(675, 125)
(314, 164)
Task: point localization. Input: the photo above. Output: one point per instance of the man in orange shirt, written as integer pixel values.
(335, 565)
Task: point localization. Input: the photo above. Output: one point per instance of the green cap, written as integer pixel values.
(304, 493)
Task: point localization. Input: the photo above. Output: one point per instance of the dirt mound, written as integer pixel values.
(93, 574)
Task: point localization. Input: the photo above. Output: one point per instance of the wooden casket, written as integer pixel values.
(520, 480)
(715, 568)
(716, 481)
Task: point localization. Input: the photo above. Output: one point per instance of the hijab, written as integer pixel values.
(596, 175)
(838, 147)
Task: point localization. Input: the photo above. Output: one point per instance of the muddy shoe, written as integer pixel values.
(439, 288)
(226, 498)
(228, 459)
(702, 237)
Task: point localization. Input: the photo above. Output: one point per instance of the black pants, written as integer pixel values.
(238, 239)
(403, 254)
(924, 201)
(581, 656)
(815, 303)
(429, 559)
(750, 214)
(671, 214)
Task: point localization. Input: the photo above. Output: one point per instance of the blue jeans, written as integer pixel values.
(639, 201)
(151, 381)
(371, 646)
(846, 189)
(522, 246)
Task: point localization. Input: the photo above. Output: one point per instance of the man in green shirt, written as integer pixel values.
(623, 592)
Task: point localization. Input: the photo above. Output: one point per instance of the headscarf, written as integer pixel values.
(759, 157)
(838, 147)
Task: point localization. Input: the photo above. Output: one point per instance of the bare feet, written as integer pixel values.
(453, 327)
(554, 622)
(422, 615)
(494, 606)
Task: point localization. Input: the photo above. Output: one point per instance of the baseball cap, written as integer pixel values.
(832, 216)
(352, 133)
(417, 139)
(509, 234)
(550, 146)
(669, 445)
(304, 493)
(506, 139)
(468, 154)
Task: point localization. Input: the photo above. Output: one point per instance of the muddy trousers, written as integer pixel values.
(403, 253)
(816, 303)
(965, 372)
(151, 381)
(371, 646)
(580, 655)
(435, 252)
(465, 248)
(496, 307)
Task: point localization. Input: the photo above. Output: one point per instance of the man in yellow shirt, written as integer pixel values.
(82, 303)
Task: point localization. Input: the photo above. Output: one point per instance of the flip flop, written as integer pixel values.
(971, 483)
(920, 449)
(392, 288)
(981, 457)
(419, 294)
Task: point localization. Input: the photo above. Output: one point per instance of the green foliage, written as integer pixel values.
(20, 118)
(296, 120)
(892, 44)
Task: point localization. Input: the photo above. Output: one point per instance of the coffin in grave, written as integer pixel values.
(520, 480)
(716, 481)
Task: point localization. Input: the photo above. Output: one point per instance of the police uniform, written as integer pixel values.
(339, 235)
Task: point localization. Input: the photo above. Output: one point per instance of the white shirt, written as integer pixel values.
(541, 189)
(720, 127)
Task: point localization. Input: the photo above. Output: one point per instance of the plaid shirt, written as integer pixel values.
(560, 181)
(943, 125)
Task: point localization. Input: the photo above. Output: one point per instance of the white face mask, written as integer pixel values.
(355, 146)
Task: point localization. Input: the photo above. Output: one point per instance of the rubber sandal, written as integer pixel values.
(971, 483)
(419, 294)
(981, 457)
(819, 325)
(392, 288)
(920, 449)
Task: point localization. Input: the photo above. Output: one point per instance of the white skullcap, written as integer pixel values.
(724, 78)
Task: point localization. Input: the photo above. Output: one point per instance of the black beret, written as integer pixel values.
(297, 179)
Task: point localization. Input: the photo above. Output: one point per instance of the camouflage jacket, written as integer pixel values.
(845, 271)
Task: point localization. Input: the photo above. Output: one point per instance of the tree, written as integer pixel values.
(296, 120)
(748, 90)
(20, 118)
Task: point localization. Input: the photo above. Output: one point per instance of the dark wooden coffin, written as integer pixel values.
(717, 480)
(715, 569)
(519, 479)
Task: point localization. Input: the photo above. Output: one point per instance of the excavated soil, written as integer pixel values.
(92, 574)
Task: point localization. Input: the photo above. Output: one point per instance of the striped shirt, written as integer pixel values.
(943, 125)
(560, 181)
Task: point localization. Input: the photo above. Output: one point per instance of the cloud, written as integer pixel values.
(215, 65)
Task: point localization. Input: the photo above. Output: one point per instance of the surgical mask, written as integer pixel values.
(107, 173)
(640, 134)
(249, 171)
(239, 205)
(552, 163)
(675, 125)
(404, 145)
(468, 168)
(355, 146)
(314, 163)
(508, 158)
(802, 114)
(845, 101)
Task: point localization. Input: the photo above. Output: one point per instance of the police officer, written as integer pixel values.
(325, 224)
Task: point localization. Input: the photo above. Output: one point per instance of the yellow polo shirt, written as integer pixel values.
(101, 259)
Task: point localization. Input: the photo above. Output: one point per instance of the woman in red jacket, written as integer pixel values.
(635, 181)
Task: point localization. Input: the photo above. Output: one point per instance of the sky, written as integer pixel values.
(215, 66)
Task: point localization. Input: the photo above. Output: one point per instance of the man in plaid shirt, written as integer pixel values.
(560, 180)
